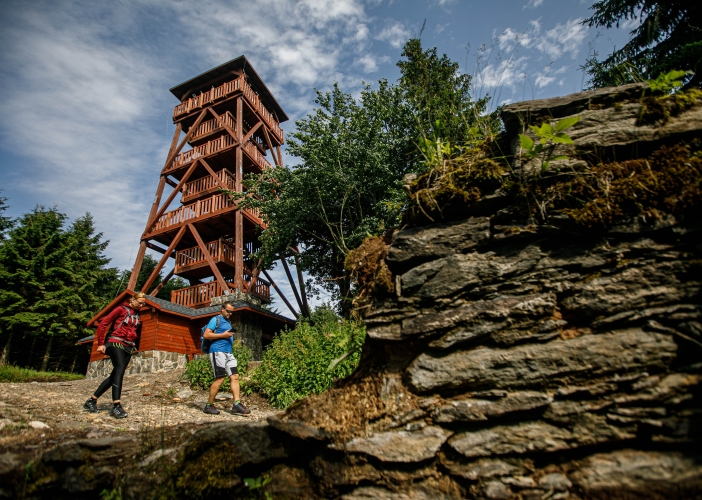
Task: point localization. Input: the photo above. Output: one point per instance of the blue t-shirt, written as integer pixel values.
(221, 345)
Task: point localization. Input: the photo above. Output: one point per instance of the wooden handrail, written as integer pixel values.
(223, 91)
(203, 184)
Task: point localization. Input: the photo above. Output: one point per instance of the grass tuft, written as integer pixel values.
(16, 374)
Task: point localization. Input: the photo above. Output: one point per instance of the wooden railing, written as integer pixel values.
(214, 124)
(219, 250)
(256, 155)
(207, 206)
(215, 203)
(198, 295)
(210, 147)
(198, 101)
(201, 294)
(203, 184)
(261, 289)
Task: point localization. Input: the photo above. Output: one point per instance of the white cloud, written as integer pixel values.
(532, 4)
(395, 34)
(370, 62)
(506, 73)
(563, 39)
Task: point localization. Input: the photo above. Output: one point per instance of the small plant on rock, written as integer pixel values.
(548, 136)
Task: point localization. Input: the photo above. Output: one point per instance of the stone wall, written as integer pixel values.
(141, 362)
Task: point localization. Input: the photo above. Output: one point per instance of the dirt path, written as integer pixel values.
(152, 401)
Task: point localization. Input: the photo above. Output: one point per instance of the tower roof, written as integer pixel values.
(224, 73)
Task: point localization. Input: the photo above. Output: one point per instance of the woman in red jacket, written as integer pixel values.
(119, 346)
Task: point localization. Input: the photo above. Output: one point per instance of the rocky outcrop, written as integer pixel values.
(514, 359)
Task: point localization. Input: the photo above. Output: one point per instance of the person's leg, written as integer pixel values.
(120, 359)
(91, 404)
(234, 386)
(214, 389)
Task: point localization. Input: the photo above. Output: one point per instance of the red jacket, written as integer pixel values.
(126, 330)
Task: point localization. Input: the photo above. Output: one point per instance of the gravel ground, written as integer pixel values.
(151, 400)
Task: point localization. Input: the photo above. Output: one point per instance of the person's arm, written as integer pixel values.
(210, 335)
(104, 323)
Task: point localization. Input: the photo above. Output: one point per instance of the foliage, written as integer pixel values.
(366, 265)
(147, 267)
(53, 277)
(548, 136)
(354, 155)
(297, 362)
(199, 371)
(256, 485)
(668, 82)
(668, 38)
(5, 222)
(15, 374)
(439, 96)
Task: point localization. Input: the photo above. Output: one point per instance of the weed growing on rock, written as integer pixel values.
(367, 267)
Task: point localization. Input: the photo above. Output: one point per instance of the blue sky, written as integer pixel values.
(85, 112)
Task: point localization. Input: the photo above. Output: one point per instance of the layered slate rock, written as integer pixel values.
(401, 446)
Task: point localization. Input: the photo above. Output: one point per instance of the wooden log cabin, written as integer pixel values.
(227, 126)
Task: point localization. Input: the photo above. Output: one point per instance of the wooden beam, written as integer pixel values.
(176, 190)
(162, 262)
(280, 156)
(158, 288)
(210, 260)
(251, 132)
(212, 173)
(158, 249)
(292, 283)
(282, 296)
(301, 282)
(170, 181)
(254, 275)
(191, 131)
(238, 215)
(137, 266)
(270, 145)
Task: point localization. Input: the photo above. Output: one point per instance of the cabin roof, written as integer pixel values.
(223, 73)
(170, 307)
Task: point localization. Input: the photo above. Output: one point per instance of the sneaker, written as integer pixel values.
(91, 405)
(240, 409)
(210, 409)
(118, 412)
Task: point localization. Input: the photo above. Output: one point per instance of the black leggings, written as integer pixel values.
(120, 359)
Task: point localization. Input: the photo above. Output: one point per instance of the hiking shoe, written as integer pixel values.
(91, 405)
(118, 412)
(211, 410)
(240, 409)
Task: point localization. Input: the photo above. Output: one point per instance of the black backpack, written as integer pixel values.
(206, 343)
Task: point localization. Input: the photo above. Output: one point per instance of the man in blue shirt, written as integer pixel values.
(219, 332)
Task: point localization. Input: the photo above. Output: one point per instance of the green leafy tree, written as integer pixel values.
(5, 222)
(33, 271)
(669, 37)
(53, 279)
(439, 95)
(348, 185)
(354, 155)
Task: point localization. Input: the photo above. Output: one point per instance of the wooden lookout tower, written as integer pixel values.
(227, 126)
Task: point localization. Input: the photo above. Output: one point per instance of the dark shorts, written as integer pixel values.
(223, 364)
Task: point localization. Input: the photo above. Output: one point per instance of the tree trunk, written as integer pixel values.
(73, 364)
(5, 358)
(57, 366)
(31, 351)
(47, 354)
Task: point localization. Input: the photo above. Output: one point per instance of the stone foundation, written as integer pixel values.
(141, 362)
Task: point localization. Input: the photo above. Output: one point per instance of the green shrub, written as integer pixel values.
(16, 374)
(297, 362)
(199, 371)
